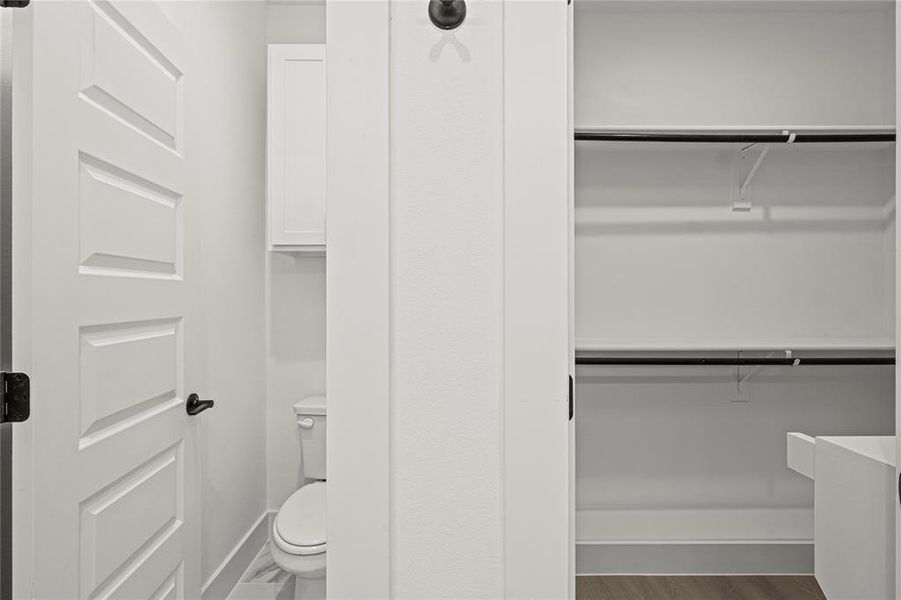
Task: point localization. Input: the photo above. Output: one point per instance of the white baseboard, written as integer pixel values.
(694, 558)
(687, 526)
(714, 541)
(227, 575)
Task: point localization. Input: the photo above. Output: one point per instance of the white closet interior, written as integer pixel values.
(682, 469)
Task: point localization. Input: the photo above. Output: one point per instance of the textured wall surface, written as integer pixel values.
(447, 304)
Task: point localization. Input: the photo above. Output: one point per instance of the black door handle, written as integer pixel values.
(195, 405)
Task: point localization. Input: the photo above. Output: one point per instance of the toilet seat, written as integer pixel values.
(300, 525)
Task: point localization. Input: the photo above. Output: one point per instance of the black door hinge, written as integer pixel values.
(15, 397)
(14, 3)
(571, 393)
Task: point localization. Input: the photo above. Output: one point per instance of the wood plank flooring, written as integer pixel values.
(693, 587)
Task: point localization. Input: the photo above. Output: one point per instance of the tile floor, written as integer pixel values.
(264, 580)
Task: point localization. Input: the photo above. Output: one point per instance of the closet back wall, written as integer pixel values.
(678, 470)
(295, 354)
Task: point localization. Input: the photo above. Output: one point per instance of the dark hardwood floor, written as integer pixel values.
(694, 587)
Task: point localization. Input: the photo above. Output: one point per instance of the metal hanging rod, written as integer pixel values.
(735, 361)
(738, 137)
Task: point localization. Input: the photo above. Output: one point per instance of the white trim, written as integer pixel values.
(571, 250)
(228, 574)
(357, 299)
(714, 558)
(536, 301)
(897, 273)
(23, 477)
(699, 526)
(848, 345)
(778, 129)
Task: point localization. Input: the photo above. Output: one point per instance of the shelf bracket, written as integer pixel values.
(741, 197)
(742, 380)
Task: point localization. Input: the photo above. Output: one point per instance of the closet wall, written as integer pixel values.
(295, 302)
(683, 469)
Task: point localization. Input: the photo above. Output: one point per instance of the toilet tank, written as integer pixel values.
(310, 413)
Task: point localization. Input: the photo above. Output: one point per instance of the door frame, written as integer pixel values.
(897, 302)
(537, 486)
(6, 433)
(537, 342)
(16, 293)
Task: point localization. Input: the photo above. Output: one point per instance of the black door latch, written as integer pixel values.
(195, 406)
(15, 397)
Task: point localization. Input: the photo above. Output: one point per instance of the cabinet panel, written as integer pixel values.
(296, 147)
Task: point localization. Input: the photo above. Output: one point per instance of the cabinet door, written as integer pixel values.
(296, 147)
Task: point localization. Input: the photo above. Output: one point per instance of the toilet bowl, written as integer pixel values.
(298, 532)
(299, 539)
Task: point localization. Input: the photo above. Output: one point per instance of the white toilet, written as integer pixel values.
(299, 530)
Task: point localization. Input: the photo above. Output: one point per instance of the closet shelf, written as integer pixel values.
(733, 361)
(755, 135)
(851, 354)
(588, 345)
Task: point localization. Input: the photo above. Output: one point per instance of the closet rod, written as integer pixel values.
(736, 137)
(735, 361)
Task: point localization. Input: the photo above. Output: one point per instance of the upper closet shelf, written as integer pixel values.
(738, 136)
(584, 345)
(746, 141)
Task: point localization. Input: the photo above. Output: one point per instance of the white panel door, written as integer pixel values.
(114, 314)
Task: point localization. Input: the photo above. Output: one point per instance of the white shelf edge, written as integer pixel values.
(596, 6)
(695, 542)
(309, 249)
(592, 345)
(738, 128)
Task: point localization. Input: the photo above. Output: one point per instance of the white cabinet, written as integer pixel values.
(854, 507)
(295, 169)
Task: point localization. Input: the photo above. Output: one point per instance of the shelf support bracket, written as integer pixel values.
(741, 197)
(743, 379)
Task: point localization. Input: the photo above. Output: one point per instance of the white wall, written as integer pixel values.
(447, 302)
(446, 357)
(226, 113)
(295, 22)
(295, 303)
(662, 262)
(738, 64)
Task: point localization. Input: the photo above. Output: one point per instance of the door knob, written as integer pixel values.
(447, 14)
(195, 406)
